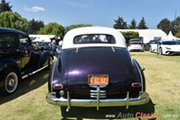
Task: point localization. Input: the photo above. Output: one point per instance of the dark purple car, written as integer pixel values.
(95, 69)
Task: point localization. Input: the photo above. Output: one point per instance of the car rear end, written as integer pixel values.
(97, 77)
(135, 45)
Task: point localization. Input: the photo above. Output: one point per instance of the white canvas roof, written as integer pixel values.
(170, 36)
(147, 34)
(69, 37)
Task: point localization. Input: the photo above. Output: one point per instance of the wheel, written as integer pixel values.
(160, 51)
(10, 83)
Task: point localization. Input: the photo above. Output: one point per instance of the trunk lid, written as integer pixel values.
(114, 62)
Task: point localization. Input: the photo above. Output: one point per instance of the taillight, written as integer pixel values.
(58, 86)
(136, 84)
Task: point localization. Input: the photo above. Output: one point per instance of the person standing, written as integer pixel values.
(60, 43)
(54, 46)
(127, 39)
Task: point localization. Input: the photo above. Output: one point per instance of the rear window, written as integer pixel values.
(135, 41)
(94, 38)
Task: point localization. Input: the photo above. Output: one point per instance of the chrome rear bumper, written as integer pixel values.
(52, 99)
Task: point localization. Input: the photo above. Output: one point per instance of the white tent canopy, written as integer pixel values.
(170, 36)
(42, 38)
(147, 34)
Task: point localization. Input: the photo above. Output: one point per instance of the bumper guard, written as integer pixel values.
(52, 99)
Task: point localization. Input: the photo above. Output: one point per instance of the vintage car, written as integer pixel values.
(19, 59)
(167, 47)
(95, 69)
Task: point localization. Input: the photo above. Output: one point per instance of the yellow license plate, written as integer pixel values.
(98, 79)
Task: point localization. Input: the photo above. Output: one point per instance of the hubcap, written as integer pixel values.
(11, 82)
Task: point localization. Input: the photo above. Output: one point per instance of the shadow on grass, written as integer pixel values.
(27, 85)
(109, 112)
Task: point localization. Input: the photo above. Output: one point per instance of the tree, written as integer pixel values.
(5, 6)
(178, 34)
(13, 20)
(142, 24)
(76, 26)
(120, 23)
(35, 26)
(53, 29)
(175, 25)
(132, 34)
(133, 24)
(165, 25)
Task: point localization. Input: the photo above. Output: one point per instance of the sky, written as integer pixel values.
(97, 12)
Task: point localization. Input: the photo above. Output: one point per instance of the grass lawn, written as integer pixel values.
(162, 83)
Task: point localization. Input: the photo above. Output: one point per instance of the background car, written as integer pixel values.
(135, 45)
(168, 47)
(43, 46)
(95, 69)
(153, 45)
(18, 59)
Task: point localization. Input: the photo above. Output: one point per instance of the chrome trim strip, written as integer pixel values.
(69, 103)
(77, 50)
(127, 100)
(101, 91)
(95, 94)
(142, 87)
(113, 49)
(29, 74)
(101, 86)
(98, 97)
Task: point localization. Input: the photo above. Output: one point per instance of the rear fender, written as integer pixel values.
(56, 76)
(44, 57)
(50, 79)
(141, 73)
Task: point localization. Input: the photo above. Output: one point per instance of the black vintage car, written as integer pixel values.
(18, 59)
(95, 69)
